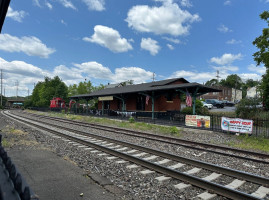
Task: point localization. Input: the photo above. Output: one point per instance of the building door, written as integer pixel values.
(140, 102)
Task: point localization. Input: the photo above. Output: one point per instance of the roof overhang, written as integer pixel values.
(192, 88)
(3, 11)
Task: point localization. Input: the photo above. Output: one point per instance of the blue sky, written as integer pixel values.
(109, 41)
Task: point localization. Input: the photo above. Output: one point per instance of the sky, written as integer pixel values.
(110, 41)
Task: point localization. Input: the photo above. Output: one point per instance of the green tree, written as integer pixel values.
(232, 81)
(262, 57)
(45, 91)
(212, 82)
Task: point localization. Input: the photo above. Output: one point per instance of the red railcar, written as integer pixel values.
(57, 102)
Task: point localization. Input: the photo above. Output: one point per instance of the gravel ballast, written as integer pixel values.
(136, 185)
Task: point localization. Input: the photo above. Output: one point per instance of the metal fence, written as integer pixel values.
(172, 118)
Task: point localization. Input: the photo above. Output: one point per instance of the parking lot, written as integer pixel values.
(225, 109)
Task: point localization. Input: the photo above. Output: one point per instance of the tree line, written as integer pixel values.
(44, 91)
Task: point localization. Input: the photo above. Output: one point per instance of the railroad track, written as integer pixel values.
(236, 153)
(145, 157)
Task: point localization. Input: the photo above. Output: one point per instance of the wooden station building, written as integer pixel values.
(158, 96)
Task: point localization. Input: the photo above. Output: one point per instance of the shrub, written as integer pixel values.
(174, 130)
(131, 120)
(247, 108)
(199, 109)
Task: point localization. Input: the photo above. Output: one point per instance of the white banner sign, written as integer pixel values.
(236, 125)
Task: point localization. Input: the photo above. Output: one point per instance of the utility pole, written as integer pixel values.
(218, 76)
(153, 77)
(17, 85)
(1, 87)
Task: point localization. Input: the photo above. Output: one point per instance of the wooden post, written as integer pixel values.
(193, 105)
(102, 107)
(152, 104)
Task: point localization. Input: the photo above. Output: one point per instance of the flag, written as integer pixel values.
(188, 99)
(147, 99)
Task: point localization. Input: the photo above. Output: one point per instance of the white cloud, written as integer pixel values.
(150, 45)
(67, 4)
(227, 3)
(176, 41)
(227, 68)
(186, 3)
(63, 22)
(98, 5)
(233, 41)
(194, 76)
(226, 58)
(109, 38)
(19, 71)
(224, 29)
(170, 46)
(48, 5)
(246, 76)
(66, 73)
(259, 69)
(98, 71)
(95, 70)
(138, 75)
(31, 46)
(36, 2)
(172, 20)
(16, 15)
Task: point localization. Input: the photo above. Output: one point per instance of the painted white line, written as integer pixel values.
(162, 178)
(235, 184)
(206, 196)
(193, 171)
(212, 177)
(147, 171)
(176, 166)
(151, 157)
(261, 192)
(163, 161)
(182, 186)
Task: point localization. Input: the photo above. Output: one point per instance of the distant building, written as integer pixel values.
(229, 94)
(253, 93)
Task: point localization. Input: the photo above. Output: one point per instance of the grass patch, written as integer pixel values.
(130, 124)
(5, 143)
(252, 143)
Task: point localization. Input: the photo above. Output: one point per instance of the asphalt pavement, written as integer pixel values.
(53, 178)
(225, 109)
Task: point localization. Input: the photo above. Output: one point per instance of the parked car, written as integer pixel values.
(215, 103)
(207, 105)
(228, 103)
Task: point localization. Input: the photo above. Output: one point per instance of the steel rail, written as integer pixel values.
(171, 140)
(217, 188)
(223, 170)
